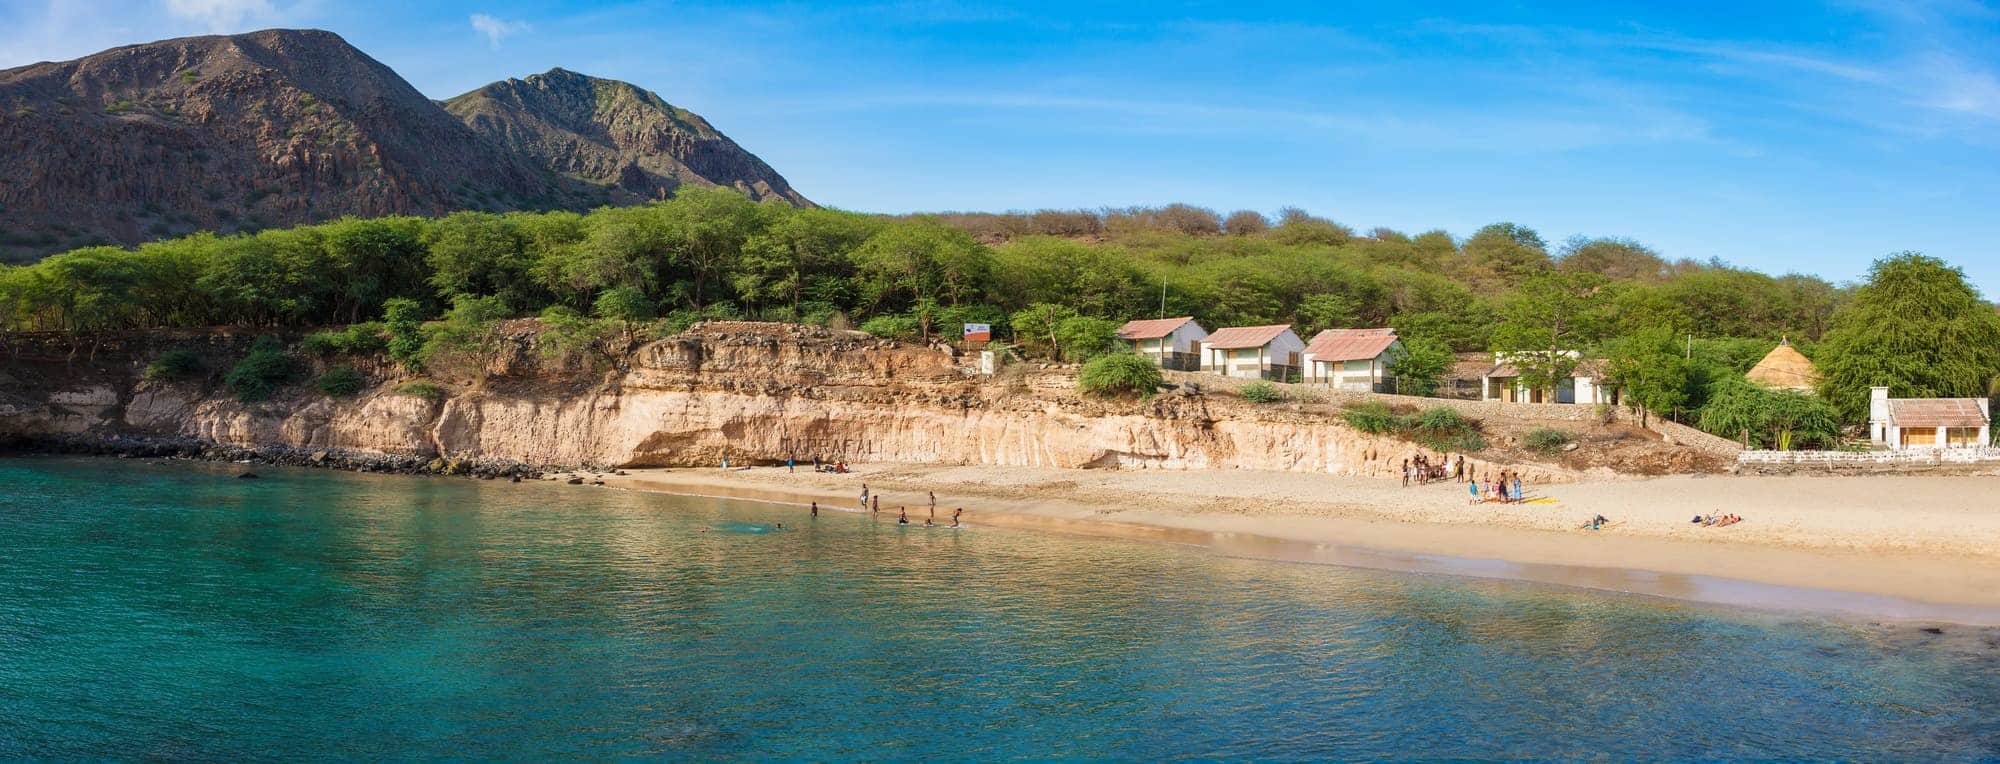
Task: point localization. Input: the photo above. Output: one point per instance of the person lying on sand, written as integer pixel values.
(1595, 523)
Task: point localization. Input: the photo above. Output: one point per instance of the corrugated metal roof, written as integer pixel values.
(1936, 412)
(1151, 328)
(1240, 337)
(1350, 344)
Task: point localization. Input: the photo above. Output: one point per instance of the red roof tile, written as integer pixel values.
(1240, 337)
(1151, 328)
(1350, 344)
(1936, 412)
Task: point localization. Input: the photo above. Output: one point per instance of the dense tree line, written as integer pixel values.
(1060, 280)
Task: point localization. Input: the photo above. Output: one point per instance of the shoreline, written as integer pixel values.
(1792, 572)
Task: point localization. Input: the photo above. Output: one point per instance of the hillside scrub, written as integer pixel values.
(174, 364)
(1261, 392)
(261, 372)
(1055, 284)
(1439, 428)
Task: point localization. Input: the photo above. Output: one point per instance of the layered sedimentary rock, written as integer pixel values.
(751, 393)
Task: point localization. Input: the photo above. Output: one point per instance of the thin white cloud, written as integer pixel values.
(222, 15)
(496, 28)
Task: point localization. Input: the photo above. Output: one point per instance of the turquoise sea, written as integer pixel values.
(170, 611)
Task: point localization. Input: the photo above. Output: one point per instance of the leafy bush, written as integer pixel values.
(358, 339)
(1261, 392)
(1373, 418)
(1547, 440)
(421, 389)
(1119, 374)
(895, 327)
(405, 321)
(1439, 428)
(1440, 420)
(174, 364)
(342, 381)
(260, 373)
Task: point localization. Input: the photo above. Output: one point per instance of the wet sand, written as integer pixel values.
(1895, 547)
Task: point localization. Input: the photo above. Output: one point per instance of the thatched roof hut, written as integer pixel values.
(1785, 368)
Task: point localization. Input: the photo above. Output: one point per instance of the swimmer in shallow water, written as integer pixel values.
(955, 512)
(815, 509)
(902, 516)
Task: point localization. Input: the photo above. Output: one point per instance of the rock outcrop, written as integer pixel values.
(611, 133)
(753, 393)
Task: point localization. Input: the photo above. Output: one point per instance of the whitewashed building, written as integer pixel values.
(1172, 343)
(1259, 352)
(1914, 423)
(1585, 384)
(1352, 359)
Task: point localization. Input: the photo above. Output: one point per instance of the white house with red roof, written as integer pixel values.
(1916, 423)
(1258, 352)
(1173, 343)
(1352, 359)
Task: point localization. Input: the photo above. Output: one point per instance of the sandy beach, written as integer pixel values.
(1860, 544)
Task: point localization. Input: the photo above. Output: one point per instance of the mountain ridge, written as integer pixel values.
(282, 127)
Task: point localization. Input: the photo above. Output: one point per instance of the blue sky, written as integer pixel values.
(1808, 137)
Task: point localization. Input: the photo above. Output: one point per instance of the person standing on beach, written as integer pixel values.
(1518, 496)
(933, 503)
(1406, 473)
(864, 496)
(790, 465)
(955, 512)
(877, 505)
(815, 509)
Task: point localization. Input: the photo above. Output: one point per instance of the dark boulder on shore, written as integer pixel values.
(176, 447)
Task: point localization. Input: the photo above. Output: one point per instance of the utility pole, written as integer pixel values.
(1163, 297)
(1690, 354)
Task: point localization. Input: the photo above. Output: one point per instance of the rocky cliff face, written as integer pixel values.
(612, 133)
(747, 392)
(282, 127)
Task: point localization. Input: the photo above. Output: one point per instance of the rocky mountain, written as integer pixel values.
(280, 127)
(609, 132)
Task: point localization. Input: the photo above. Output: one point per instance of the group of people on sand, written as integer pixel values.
(1505, 490)
(1423, 469)
(1715, 520)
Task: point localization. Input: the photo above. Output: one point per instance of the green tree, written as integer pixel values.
(1653, 369)
(626, 306)
(1546, 325)
(1421, 366)
(1504, 254)
(1035, 329)
(802, 254)
(1916, 327)
(921, 266)
(707, 229)
(1780, 419)
(1613, 258)
(404, 319)
(1084, 337)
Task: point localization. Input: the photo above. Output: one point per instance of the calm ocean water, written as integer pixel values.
(170, 611)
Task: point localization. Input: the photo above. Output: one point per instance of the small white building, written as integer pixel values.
(1912, 423)
(1259, 352)
(1585, 384)
(1171, 343)
(1352, 359)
